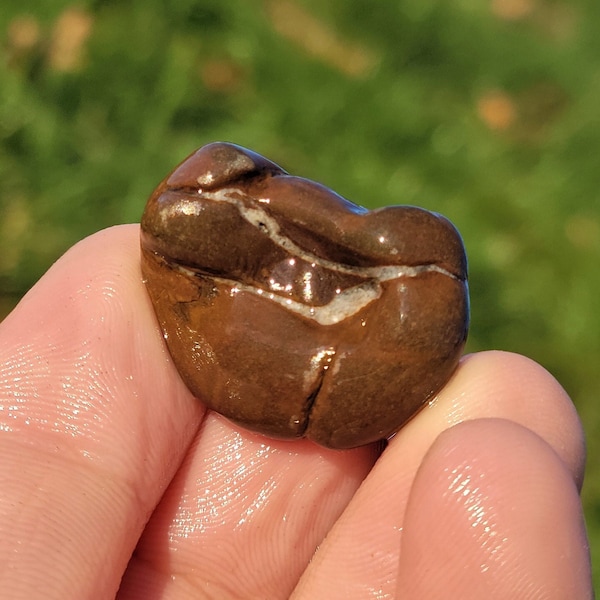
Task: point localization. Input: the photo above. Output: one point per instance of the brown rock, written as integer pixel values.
(294, 312)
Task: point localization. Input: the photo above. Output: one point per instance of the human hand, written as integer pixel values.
(114, 480)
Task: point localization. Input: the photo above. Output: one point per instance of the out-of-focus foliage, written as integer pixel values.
(484, 110)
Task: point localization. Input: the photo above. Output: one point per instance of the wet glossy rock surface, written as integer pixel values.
(294, 312)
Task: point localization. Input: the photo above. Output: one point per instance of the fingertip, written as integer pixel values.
(512, 386)
(493, 512)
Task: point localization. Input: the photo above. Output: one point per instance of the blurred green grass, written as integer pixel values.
(483, 110)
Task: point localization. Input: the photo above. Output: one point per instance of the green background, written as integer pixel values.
(487, 111)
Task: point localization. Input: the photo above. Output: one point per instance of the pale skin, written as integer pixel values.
(116, 481)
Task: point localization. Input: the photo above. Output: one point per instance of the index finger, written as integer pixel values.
(489, 385)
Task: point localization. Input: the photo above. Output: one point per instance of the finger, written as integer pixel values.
(94, 422)
(493, 513)
(243, 516)
(489, 384)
